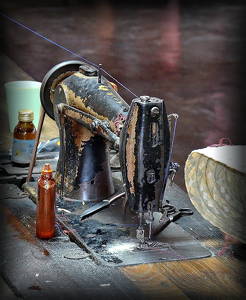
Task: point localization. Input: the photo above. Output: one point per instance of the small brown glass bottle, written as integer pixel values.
(23, 138)
(45, 211)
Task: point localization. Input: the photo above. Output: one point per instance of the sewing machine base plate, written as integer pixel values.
(112, 239)
(117, 246)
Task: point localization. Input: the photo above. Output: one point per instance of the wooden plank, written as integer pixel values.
(25, 234)
(49, 129)
(57, 273)
(238, 266)
(5, 291)
(153, 283)
(204, 279)
(10, 71)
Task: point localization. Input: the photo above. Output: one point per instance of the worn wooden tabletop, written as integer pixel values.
(220, 276)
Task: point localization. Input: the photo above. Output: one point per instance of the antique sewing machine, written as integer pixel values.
(92, 118)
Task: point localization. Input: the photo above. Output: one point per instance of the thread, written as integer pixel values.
(84, 59)
(169, 159)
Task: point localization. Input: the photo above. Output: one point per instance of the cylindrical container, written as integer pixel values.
(20, 95)
(23, 138)
(45, 211)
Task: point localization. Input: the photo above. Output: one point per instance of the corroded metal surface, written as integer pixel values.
(87, 125)
(144, 151)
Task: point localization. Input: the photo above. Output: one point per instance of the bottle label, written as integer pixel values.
(22, 151)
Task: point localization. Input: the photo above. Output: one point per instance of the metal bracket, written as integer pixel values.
(92, 123)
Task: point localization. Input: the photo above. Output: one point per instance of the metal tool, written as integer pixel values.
(169, 215)
(101, 205)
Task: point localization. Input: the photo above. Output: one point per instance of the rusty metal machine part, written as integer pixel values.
(92, 117)
(144, 155)
(51, 79)
(85, 111)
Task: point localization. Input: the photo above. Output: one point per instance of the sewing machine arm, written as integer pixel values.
(92, 123)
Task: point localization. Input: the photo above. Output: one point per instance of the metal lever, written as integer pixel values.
(92, 123)
(173, 170)
(168, 217)
(32, 161)
(62, 120)
(100, 73)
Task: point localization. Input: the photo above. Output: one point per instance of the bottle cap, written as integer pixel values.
(25, 115)
(47, 170)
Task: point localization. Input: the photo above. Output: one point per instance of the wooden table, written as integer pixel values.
(215, 277)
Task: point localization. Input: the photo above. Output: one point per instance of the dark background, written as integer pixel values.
(189, 53)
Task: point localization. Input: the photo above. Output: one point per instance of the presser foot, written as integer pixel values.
(143, 245)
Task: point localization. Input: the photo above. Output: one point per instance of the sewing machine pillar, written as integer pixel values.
(89, 114)
(144, 152)
(87, 173)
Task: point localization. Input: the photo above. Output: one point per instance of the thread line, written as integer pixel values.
(169, 160)
(84, 59)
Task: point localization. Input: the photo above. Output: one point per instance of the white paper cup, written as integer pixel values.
(22, 95)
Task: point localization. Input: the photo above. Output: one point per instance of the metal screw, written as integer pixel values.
(144, 98)
(154, 111)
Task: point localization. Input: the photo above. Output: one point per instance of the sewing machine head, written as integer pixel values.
(91, 117)
(89, 113)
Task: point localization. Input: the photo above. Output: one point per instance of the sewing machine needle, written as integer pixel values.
(150, 230)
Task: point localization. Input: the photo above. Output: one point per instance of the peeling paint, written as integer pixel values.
(103, 87)
(82, 134)
(86, 160)
(57, 81)
(70, 188)
(58, 177)
(130, 145)
(79, 103)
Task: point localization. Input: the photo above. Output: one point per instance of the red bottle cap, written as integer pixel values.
(47, 170)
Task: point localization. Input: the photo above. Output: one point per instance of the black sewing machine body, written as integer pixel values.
(92, 117)
(144, 152)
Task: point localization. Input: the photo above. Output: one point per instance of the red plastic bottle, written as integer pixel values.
(45, 211)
